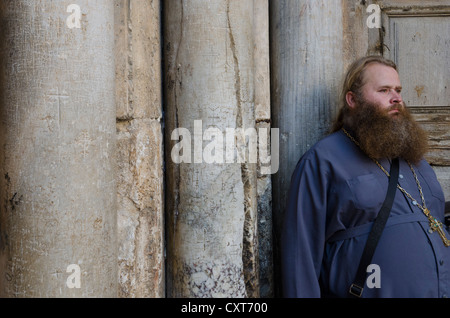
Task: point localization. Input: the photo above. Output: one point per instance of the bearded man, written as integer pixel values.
(339, 186)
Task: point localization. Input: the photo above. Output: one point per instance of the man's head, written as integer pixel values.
(372, 107)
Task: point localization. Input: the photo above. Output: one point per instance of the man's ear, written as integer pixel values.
(350, 98)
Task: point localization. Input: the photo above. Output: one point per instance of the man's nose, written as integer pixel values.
(396, 98)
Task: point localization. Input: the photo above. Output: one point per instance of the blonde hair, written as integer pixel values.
(354, 81)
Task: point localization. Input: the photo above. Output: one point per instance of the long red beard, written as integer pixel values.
(383, 135)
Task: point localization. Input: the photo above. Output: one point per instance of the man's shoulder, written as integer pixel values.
(333, 149)
(331, 144)
(332, 140)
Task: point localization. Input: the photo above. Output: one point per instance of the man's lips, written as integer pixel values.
(393, 111)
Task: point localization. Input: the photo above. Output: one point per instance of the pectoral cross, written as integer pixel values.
(436, 226)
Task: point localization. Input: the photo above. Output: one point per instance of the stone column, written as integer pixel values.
(263, 121)
(211, 195)
(307, 59)
(57, 149)
(140, 148)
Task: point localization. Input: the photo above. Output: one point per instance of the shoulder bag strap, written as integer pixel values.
(356, 289)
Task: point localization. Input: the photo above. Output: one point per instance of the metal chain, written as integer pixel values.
(435, 225)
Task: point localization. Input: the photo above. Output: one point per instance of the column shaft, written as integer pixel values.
(57, 147)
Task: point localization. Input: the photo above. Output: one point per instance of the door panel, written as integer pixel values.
(420, 47)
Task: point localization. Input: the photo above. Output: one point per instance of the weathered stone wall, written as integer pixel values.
(83, 149)
(261, 56)
(212, 208)
(57, 150)
(140, 185)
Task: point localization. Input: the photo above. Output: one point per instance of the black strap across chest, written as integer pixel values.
(356, 289)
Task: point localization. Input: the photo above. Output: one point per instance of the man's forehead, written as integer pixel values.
(380, 74)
